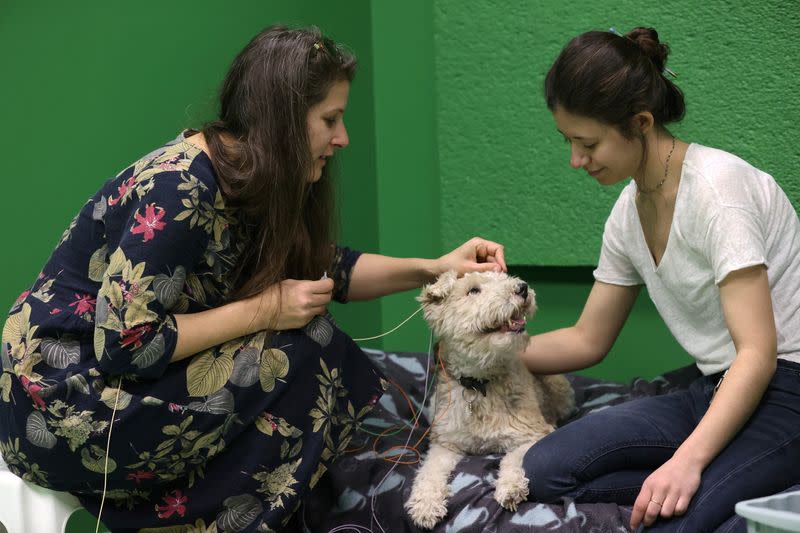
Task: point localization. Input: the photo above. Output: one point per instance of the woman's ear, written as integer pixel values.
(643, 122)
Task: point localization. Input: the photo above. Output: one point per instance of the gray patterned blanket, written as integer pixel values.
(365, 493)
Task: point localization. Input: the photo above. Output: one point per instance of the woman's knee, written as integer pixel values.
(547, 470)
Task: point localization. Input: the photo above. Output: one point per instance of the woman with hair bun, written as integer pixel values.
(716, 242)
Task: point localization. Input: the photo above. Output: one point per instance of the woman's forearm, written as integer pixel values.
(375, 275)
(738, 396)
(200, 331)
(558, 351)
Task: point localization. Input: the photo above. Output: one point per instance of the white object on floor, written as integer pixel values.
(778, 513)
(28, 508)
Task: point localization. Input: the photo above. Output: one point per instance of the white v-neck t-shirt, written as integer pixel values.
(728, 215)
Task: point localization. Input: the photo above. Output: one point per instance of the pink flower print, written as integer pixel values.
(169, 164)
(22, 297)
(55, 311)
(83, 304)
(174, 505)
(139, 475)
(373, 400)
(175, 408)
(128, 294)
(271, 419)
(33, 391)
(150, 222)
(123, 190)
(133, 336)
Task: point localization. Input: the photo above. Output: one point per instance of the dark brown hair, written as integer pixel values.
(260, 151)
(611, 78)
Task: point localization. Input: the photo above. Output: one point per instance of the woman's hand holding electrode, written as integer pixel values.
(475, 255)
(291, 304)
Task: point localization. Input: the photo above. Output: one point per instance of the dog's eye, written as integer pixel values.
(475, 290)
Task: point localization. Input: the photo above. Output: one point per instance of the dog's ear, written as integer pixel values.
(436, 292)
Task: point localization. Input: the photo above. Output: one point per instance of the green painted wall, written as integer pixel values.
(88, 87)
(504, 168)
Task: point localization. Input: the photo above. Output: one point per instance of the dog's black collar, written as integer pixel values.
(475, 384)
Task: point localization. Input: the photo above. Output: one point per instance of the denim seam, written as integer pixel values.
(595, 455)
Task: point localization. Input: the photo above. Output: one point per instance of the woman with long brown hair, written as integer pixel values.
(174, 362)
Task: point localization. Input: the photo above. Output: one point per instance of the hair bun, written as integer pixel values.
(647, 40)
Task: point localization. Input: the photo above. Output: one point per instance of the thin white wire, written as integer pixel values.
(410, 434)
(391, 330)
(108, 449)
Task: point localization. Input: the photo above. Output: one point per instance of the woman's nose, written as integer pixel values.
(341, 139)
(577, 159)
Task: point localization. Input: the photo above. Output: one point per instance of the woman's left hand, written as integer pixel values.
(666, 492)
(474, 255)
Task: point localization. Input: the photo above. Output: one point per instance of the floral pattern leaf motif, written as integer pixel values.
(274, 366)
(277, 483)
(5, 359)
(246, 367)
(152, 401)
(43, 293)
(109, 397)
(37, 433)
(320, 330)
(68, 232)
(99, 209)
(267, 423)
(208, 372)
(99, 343)
(198, 527)
(94, 459)
(98, 264)
(116, 262)
(168, 288)
(60, 354)
(148, 355)
(218, 403)
(74, 425)
(203, 214)
(19, 334)
(240, 511)
(195, 288)
(79, 383)
(5, 386)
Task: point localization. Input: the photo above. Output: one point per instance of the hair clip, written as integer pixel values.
(328, 47)
(613, 30)
(670, 72)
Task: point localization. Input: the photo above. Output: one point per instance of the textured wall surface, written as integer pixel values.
(504, 168)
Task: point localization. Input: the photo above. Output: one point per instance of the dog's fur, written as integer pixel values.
(479, 320)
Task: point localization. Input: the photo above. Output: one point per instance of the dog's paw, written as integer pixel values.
(511, 489)
(426, 511)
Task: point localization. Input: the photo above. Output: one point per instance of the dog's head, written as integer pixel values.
(482, 312)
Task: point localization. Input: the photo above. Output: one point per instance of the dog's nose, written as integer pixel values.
(522, 290)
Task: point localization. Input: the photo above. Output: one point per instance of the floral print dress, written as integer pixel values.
(229, 439)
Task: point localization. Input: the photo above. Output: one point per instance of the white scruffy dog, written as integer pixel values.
(486, 400)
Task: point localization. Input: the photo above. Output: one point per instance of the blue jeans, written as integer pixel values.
(606, 455)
